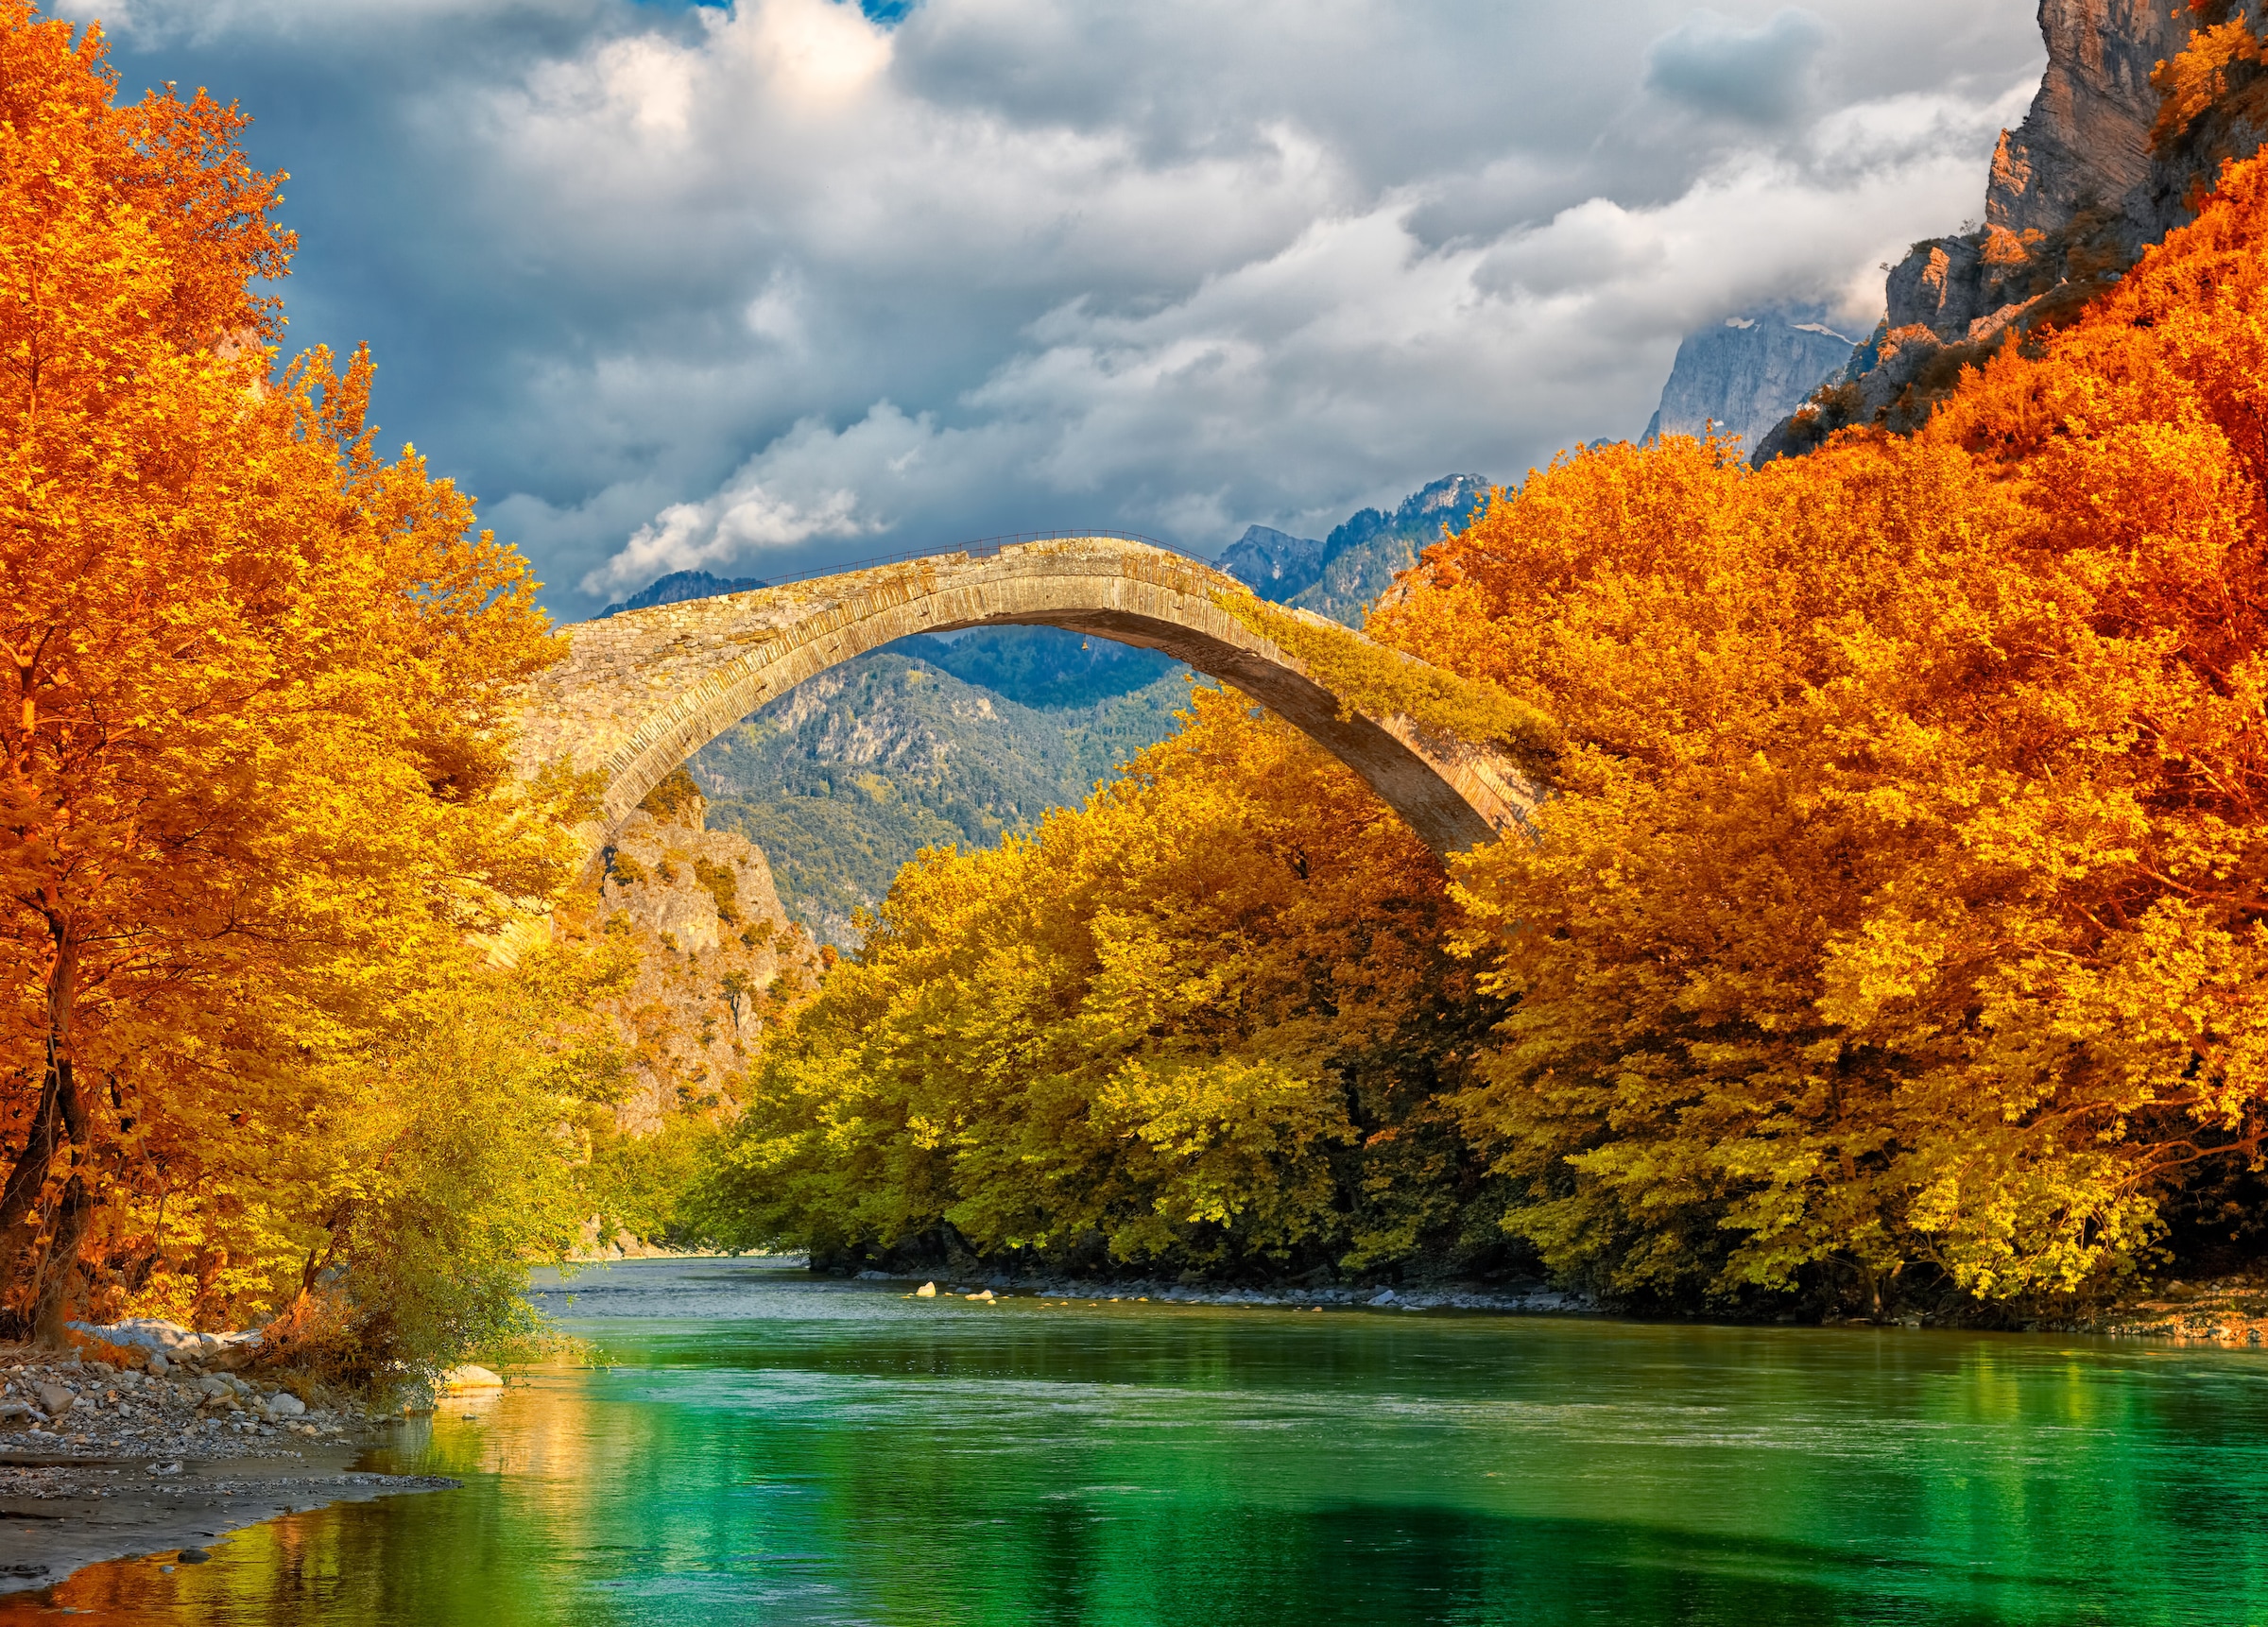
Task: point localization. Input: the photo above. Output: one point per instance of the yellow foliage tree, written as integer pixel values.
(255, 790)
(1201, 1022)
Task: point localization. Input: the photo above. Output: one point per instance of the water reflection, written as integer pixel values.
(767, 1448)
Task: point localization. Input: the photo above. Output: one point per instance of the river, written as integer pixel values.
(758, 1447)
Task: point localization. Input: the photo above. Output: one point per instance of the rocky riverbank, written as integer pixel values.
(143, 1452)
(2230, 1310)
(1528, 1298)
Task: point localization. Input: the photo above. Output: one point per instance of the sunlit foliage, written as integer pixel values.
(1898, 902)
(1894, 929)
(254, 795)
(1202, 1020)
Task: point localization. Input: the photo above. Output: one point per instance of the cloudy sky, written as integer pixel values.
(766, 286)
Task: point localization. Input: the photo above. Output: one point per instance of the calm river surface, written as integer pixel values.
(768, 1448)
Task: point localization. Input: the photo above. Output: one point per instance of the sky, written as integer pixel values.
(778, 284)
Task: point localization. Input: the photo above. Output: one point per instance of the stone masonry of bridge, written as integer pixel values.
(641, 690)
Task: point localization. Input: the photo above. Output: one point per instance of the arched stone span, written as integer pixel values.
(644, 689)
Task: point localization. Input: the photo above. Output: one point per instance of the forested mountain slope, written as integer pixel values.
(848, 776)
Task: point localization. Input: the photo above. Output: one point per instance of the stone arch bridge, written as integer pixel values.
(641, 690)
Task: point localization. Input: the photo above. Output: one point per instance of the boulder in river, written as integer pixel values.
(458, 1379)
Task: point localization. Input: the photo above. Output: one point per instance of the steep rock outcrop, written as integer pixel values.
(715, 954)
(2097, 172)
(1744, 374)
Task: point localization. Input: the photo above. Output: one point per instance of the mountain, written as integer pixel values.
(1273, 564)
(1342, 576)
(677, 587)
(2103, 165)
(1748, 372)
(851, 773)
(1040, 666)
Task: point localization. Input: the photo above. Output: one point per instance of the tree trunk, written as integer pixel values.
(18, 1226)
(53, 1307)
(60, 1117)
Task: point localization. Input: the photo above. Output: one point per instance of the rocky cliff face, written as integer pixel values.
(715, 954)
(1745, 373)
(2101, 168)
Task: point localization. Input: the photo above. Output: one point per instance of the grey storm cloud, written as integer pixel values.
(1715, 65)
(781, 283)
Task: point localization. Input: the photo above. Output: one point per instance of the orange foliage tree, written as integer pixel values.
(1900, 898)
(255, 782)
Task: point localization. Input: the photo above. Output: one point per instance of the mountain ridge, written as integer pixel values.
(677, 588)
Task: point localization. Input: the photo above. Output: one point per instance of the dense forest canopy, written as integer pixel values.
(1891, 930)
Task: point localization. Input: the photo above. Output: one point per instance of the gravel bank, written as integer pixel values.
(103, 1460)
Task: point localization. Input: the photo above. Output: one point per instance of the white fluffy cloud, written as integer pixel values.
(759, 286)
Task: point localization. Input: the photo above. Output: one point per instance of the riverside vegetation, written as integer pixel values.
(255, 810)
(1893, 935)
(1890, 937)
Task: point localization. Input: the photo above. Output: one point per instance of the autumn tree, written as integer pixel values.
(1898, 905)
(1201, 1022)
(255, 782)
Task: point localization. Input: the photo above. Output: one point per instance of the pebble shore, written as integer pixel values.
(105, 1459)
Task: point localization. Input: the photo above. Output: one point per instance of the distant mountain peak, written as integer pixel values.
(677, 587)
(1744, 374)
(1340, 575)
(1273, 564)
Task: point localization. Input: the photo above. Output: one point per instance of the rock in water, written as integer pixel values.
(1748, 372)
(927, 1291)
(192, 1556)
(458, 1379)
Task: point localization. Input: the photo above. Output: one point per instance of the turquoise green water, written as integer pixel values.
(767, 1448)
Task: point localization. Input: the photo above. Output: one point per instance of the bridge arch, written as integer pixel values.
(641, 690)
